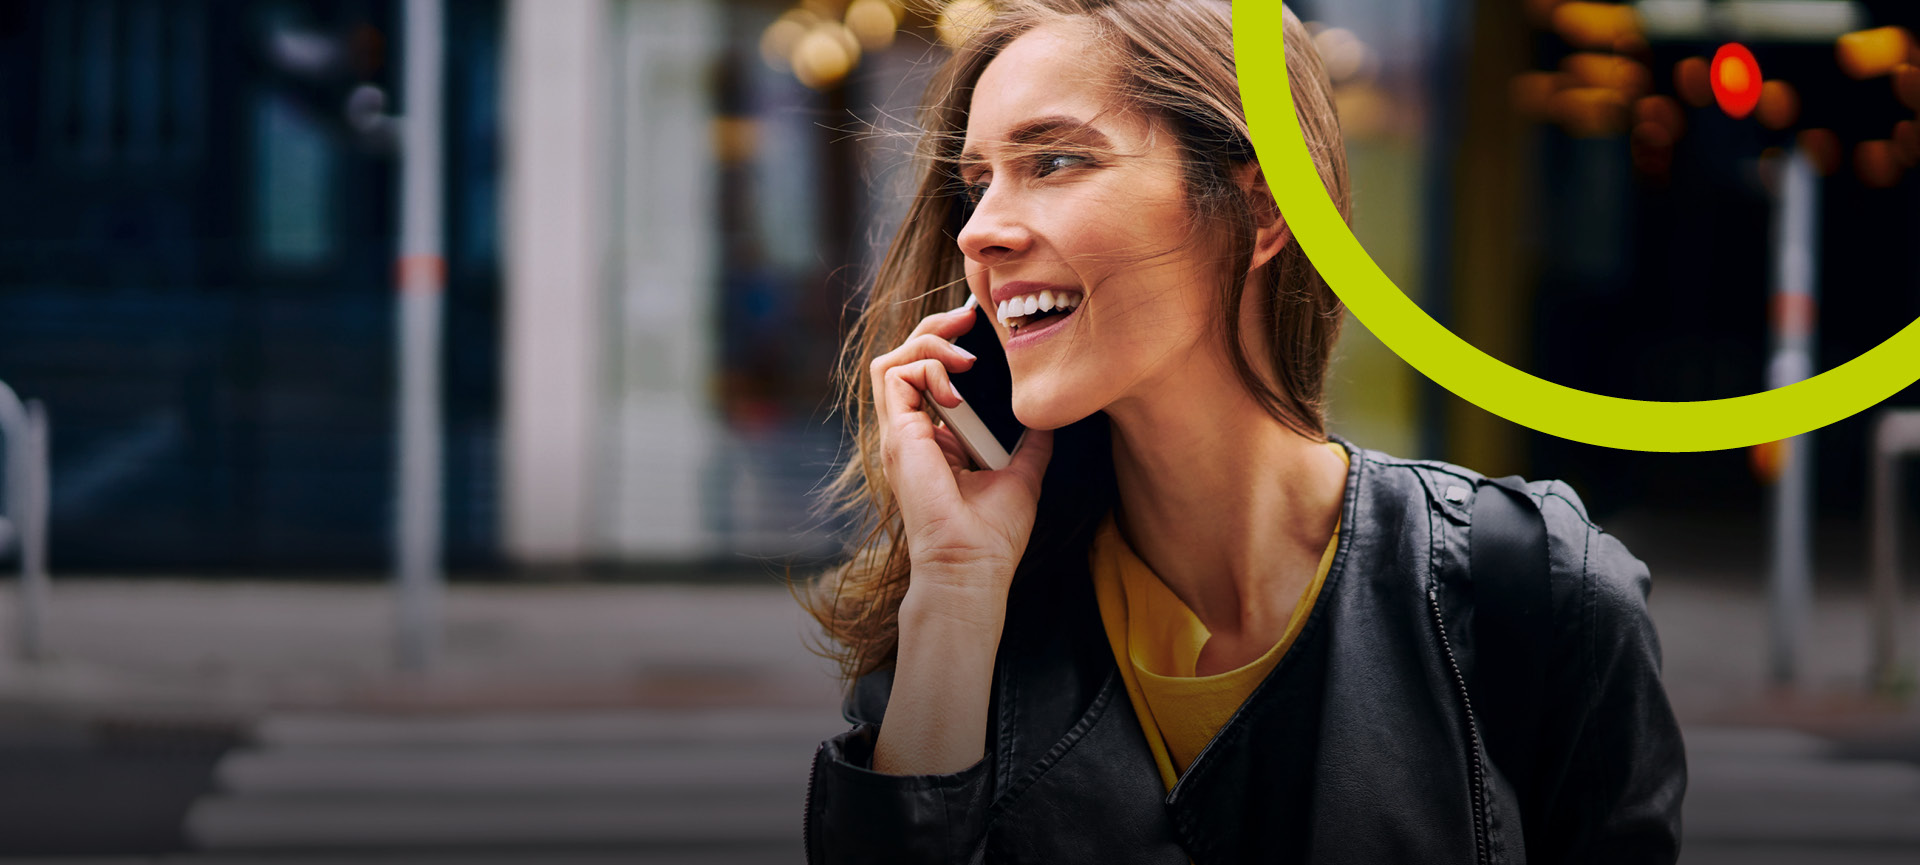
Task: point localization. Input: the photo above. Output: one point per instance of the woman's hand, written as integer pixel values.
(965, 530)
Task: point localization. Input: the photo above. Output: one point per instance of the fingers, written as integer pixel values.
(949, 443)
(948, 325)
(904, 385)
(902, 379)
(1030, 459)
(918, 348)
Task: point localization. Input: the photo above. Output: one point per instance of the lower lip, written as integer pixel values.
(1030, 336)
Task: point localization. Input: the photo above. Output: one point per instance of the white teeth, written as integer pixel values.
(1014, 311)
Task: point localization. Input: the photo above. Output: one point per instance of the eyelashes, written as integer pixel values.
(1040, 165)
(1049, 161)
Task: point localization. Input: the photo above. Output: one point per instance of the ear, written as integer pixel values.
(1270, 228)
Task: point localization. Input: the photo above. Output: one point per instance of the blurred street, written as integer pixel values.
(563, 724)
(242, 721)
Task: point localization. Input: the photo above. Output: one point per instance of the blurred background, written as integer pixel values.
(334, 546)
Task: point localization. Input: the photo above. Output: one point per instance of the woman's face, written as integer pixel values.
(1085, 201)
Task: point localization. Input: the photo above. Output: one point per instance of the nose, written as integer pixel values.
(996, 231)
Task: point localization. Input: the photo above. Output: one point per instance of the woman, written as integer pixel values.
(1183, 624)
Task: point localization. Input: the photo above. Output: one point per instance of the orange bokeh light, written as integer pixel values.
(1693, 82)
(1736, 79)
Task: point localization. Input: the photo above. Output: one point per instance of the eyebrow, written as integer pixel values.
(1042, 129)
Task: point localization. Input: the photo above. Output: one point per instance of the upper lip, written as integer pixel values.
(1011, 290)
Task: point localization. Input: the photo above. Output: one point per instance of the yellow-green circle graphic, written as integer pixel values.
(1480, 379)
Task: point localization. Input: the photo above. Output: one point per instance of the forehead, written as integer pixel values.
(1047, 72)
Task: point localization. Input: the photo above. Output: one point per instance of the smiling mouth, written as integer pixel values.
(1039, 323)
(1031, 310)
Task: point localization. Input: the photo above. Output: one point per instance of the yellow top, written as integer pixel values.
(1157, 642)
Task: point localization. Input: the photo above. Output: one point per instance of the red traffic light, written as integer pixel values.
(1736, 79)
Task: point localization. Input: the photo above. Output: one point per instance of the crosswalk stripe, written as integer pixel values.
(586, 728)
(632, 780)
(257, 823)
(509, 770)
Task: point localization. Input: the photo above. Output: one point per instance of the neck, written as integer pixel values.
(1230, 508)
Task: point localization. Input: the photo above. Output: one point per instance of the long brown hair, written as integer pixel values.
(1175, 62)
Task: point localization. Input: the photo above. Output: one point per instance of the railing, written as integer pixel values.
(1895, 435)
(23, 522)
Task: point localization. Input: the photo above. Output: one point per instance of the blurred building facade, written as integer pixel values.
(195, 275)
(653, 239)
(689, 227)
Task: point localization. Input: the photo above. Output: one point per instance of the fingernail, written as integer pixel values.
(964, 353)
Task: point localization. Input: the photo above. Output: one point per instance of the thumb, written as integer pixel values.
(1030, 460)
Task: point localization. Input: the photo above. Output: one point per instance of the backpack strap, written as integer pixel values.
(1512, 624)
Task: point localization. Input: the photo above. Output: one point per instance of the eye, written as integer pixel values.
(966, 199)
(967, 186)
(1052, 162)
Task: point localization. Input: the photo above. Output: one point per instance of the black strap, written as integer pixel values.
(1513, 624)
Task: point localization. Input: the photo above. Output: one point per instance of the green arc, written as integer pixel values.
(1478, 378)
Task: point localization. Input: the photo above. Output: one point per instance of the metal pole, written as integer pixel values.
(1795, 297)
(23, 435)
(422, 281)
(32, 520)
(1895, 435)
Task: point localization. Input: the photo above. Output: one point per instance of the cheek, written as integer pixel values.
(1144, 237)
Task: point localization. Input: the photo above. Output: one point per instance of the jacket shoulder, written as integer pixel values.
(1444, 485)
(1582, 553)
(1614, 581)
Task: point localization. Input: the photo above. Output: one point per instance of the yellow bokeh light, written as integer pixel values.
(873, 23)
(824, 56)
(1342, 54)
(1872, 53)
(782, 36)
(961, 19)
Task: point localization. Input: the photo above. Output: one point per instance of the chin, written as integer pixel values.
(1046, 410)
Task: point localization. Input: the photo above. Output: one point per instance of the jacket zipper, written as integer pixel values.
(806, 817)
(1475, 769)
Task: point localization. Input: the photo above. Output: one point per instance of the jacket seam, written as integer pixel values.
(1432, 465)
(1586, 583)
(1570, 505)
(1009, 716)
(1059, 751)
(1596, 808)
(1424, 472)
(1421, 470)
(946, 822)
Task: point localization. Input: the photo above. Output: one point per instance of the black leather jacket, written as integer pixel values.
(1359, 746)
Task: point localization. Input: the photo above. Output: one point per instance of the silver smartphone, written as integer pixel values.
(984, 420)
